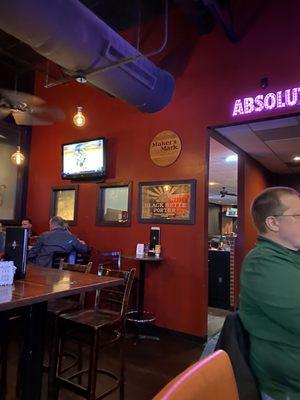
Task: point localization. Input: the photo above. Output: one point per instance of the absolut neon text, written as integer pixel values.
(265, 102)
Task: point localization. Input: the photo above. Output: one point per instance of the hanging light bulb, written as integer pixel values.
(79, 118)
(18, 158)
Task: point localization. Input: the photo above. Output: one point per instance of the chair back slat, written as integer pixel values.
(57, 256)
(83, 258)
(85, 268)
(110, 259)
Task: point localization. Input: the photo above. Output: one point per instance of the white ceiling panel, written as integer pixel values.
(273, 123)
(272, 143)
(283, 148)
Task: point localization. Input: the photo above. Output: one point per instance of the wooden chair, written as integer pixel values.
(208, 379)
(109, 259)
(60, 306)
(98, 327)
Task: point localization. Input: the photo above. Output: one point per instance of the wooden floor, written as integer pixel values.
(215, 320)
(149, 364)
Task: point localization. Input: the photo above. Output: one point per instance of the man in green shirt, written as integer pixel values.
(270, 294)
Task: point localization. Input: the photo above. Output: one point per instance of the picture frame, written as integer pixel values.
(167, 202)
(63, 203)
(114, 204)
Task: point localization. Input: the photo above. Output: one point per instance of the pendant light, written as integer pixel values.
(18, 158)
(79, 118)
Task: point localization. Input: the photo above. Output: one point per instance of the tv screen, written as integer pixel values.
(84, 160)
(232, 212)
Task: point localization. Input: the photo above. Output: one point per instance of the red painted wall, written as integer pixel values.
(217, 73)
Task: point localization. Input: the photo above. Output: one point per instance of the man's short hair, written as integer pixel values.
(57, 221)
(268, 203)
(27, 219)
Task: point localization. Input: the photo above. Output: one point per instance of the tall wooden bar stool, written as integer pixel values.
(209, 379)
(57, 307)
(98, 327)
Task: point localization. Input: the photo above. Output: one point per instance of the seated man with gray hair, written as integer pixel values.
(56, 239)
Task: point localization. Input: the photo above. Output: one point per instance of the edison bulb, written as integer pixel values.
(18, 158)
(79, 118)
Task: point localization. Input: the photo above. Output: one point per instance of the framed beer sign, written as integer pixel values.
(167, 202)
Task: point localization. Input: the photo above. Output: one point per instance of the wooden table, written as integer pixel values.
(40, 285)
(141, 314)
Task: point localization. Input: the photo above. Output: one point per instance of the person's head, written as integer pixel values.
(276, 215)
(56, 222)
(214, 243)
(26, 223)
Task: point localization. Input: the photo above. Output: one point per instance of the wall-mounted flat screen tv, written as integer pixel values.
(84, 160)
(232, 212)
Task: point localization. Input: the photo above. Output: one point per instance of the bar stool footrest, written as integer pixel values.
(147, 317)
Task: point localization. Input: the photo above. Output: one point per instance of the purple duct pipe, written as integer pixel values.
(69, 34)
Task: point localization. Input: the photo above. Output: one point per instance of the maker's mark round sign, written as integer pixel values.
(165, 148)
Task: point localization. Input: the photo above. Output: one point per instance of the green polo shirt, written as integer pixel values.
(270, 312)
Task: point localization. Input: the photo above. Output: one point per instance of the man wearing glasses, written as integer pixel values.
(270, 294)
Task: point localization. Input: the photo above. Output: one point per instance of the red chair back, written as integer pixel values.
(208, 379)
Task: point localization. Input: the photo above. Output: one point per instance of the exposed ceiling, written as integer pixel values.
(222, 174)
(273, 143)
(17, 59)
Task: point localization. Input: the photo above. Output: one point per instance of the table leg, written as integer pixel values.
(141, 290)
(141, 313)
(3, 349)
(30, 369)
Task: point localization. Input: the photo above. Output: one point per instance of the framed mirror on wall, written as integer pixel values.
(64, 203)
(114, 204)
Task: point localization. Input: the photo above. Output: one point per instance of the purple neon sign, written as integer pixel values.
(265, 102)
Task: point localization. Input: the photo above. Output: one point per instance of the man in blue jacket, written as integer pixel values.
(57, 239)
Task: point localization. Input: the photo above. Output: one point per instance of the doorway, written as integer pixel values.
(269, 152)
(222, 231)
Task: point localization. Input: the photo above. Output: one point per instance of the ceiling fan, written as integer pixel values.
(27, 109)
(224, 192)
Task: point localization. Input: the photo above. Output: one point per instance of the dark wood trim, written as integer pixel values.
(100, 202)
(55, 189)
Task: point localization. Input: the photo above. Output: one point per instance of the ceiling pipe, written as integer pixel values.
(70, 35)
